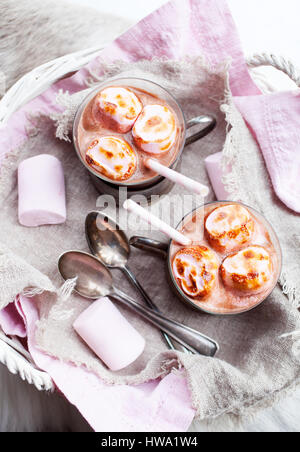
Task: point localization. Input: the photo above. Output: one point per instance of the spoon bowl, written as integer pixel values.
(93, 279)
(106, 240)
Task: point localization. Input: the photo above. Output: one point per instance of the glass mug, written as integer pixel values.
(156, 185)
(167, 251)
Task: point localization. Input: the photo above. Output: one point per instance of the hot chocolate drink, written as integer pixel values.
(233, 266)
(122, 126)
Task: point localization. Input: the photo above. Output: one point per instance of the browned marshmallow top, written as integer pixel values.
(145, 122)
(240, 265)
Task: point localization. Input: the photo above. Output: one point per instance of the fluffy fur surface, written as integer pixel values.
(33, 32)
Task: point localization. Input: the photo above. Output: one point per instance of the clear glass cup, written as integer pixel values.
(166, 251)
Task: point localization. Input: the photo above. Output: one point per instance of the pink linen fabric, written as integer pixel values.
(274, 120)
(179, 28)
(187, 27)
(157, 406)
(11, 321)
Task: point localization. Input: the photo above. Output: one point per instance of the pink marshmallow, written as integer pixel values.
(41, 185)
(109, 334)
(214, 170)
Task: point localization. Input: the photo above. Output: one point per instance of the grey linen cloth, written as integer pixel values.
(255, 365)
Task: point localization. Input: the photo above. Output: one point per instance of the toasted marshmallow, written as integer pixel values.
(155, 129)
(248, 271)
(229, 227)
(118, 108)
(196, 270)
(113, 157)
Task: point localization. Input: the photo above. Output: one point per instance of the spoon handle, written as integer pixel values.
(186, 336)
(131, 276)
(146, 244)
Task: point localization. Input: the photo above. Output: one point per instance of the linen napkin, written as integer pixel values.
(274, 120)
(55, 333)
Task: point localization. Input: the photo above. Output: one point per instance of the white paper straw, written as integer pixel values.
(178, 178)
(135, 208)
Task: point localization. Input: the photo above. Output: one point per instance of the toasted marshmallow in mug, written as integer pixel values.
(155, 129)
(196, 270)
(117, 107)
(113, 157)
(229, 227)
(248, 271)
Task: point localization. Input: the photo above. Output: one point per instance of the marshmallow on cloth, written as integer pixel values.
(117, 107)
(113, 157)
(109, 334)
(155, 129)
(213, 164)
(41, 187)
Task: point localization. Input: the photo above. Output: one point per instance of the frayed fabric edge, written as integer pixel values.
(32, 292)
(64, 121)
(226, 420)
(290, 291)
(66, 289)
(70, 103)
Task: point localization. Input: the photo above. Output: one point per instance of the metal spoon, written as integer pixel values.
(110, 244)
(94, 280)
